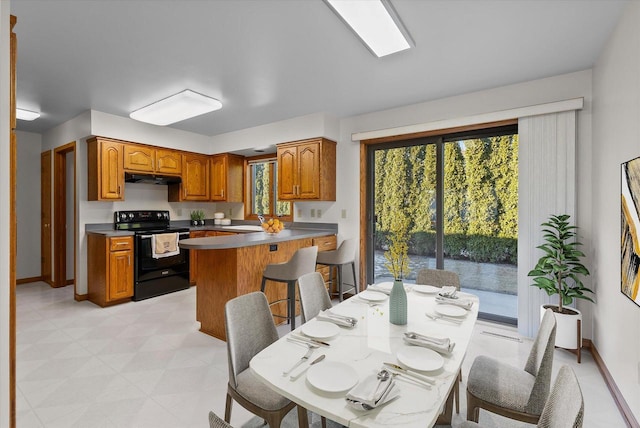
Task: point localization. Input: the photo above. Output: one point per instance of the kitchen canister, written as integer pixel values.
(218, 215)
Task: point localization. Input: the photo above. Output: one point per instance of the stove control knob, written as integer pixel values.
(123, 216)
(130, 216)
(166, 216)
(159, 215)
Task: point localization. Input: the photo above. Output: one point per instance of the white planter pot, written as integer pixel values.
(567, 334)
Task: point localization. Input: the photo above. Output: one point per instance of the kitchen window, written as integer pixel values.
(262, 191)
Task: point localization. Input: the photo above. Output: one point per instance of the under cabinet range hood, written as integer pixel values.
(130, 177)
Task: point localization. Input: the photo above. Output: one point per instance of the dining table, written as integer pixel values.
(348, 356)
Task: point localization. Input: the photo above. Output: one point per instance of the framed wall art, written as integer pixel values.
(630, 222)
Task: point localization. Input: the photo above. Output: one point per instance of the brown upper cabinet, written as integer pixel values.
(307, 170)
(227, 175)
(141, 158)
(105, 169)
(195, 179)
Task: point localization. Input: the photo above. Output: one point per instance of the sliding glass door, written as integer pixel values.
(457, 197)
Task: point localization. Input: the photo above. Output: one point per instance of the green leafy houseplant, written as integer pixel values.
(559, 270)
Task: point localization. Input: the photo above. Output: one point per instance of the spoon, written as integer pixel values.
(383, 375)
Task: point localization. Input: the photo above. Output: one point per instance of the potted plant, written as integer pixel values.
(560, 271)
(398, 264)
(197, 218)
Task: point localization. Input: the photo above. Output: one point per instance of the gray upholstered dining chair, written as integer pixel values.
(563, 408)
(303, 261)
(510, 391)
(216, 422)
(250, 328)
(314, 297)
(438, 278)
(344, 255)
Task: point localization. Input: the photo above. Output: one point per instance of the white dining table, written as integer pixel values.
(363, 349)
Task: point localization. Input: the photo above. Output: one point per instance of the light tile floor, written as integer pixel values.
(145, 364)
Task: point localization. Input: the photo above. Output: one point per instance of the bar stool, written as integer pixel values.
(345, 254)
(303, 261)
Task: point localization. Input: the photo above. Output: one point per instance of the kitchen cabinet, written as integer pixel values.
(227, 178)
(195, 179)
(105, 164)
(307, 170)
(193, 254)
(110, 269)
(325, 243)
(149, 159)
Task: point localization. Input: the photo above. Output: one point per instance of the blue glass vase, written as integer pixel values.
(398, 304)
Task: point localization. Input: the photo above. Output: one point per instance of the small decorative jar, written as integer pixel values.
(398, 304)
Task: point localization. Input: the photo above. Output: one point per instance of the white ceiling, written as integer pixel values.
(270, 60)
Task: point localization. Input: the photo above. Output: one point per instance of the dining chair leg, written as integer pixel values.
(227, 409)
(291, 308)
(303, 421)
(323, 421)
(339, 279)
(355, 282)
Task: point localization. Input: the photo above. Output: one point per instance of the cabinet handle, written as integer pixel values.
(129, 259)
(222, 193)
(118, 189)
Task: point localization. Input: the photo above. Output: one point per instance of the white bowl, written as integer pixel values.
(225, 221)
(218, 215)
(217, 221)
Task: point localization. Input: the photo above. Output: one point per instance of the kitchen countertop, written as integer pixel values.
(250, 239)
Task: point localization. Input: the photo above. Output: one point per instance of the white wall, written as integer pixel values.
(616, 134)
(29, 147)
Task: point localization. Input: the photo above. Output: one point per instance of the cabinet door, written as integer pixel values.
(110, 171)
(193, 257)
(139, 158)
(120, 274)
(308, 171)
(168, 161)
(287, 172)
(218, 178)
(195, 178)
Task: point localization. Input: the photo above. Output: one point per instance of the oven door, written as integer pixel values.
(147, 267)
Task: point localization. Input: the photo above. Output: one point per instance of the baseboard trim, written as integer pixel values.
(625, 411)
(28, 280)
(80, 297)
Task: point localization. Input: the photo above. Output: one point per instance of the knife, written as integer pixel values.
(410, 373)
(310, 340)
(317, 360)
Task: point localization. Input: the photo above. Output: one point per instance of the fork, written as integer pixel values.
(440, 317)
(304, 358)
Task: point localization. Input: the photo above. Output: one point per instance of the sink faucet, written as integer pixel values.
(261, 218)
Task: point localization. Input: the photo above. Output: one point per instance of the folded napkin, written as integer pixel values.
(374, 287)
(463, 303)
(443, 345)
(363, 397)
(337, 319)
(448, 291)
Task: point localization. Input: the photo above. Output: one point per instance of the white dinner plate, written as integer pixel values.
(450, 310)
(426, 289)
(419, 358)
(320, 329)
(332, 376)
(372, 296)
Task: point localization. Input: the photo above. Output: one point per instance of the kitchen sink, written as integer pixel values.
(244, 227)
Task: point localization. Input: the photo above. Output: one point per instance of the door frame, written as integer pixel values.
(59, 234)
(45, 207)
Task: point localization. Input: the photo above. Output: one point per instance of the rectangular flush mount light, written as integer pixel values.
(178, 107)
(26, 114)
(375, 22)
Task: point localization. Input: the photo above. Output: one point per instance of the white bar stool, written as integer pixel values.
(345, 254)
(303, 261)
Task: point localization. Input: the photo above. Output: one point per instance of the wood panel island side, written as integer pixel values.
(230, 266)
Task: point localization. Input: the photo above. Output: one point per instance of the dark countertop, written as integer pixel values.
(251, 239)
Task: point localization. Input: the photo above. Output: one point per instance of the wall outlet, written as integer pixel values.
(319, 213)
(313, 212)
(179, 212)
(343, 214)
(230, 212)
(299, 212)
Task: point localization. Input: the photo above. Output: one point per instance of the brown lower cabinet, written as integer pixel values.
(110, 269)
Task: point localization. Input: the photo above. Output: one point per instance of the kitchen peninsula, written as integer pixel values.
(230, 266)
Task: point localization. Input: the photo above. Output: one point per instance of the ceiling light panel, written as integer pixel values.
(26, 114)
(375, 23)
(176, 108)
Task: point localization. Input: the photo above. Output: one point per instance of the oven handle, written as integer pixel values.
(151, 236)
